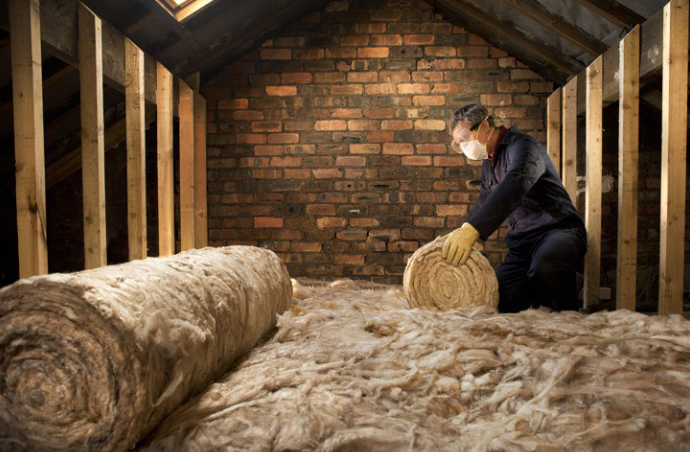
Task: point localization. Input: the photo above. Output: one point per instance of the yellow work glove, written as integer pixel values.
(456, 250)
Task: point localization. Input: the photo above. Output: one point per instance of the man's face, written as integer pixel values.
(460, 134)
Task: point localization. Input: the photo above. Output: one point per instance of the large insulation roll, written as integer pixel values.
(92, 361)
(431, 283)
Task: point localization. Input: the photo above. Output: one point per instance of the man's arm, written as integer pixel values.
(525, 167)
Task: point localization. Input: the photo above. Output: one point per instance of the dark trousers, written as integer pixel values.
(542, 271)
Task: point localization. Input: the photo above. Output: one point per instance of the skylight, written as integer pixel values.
(184, 9)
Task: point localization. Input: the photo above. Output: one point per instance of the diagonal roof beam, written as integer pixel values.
(558, 25)
(613, 11)
(539, 56)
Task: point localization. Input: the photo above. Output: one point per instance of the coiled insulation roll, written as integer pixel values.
(431, 283)
(92, 361)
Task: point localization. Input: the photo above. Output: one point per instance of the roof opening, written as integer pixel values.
(184, 9)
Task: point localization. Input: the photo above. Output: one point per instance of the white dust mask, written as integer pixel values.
(474, 150)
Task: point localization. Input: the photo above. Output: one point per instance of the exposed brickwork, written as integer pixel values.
(329, 144)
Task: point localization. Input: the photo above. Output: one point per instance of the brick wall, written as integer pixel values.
(329, 143)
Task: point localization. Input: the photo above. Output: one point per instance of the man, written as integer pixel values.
(546, 237)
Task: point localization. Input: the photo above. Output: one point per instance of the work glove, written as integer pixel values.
(456, 250)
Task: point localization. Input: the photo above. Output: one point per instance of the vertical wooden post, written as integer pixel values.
(200, 202)
(674, 112)
(553, 128)
(569, 174)
(187, 211)
(166, 200)
(27, 91)
(136, 150)
(92, 129)
(594, 174)
(628, 149)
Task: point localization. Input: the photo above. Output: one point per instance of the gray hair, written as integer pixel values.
(472, 113)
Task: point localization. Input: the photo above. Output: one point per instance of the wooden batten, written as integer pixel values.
(628, 150)
(674, 113)
(200, 198)
(553, 128)
(27, 91)
(92, 132)
(166, 200)
(569, 137)
(187, 210)
(136, 150)
(594, 175)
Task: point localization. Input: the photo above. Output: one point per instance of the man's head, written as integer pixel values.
(469, 123)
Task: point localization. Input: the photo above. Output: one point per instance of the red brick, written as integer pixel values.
(418, 40)
(455, 160)
(327, 173)
(396, 124)
(297, 173)
(476, 40)
(237, 198)
(254, 162)
(275, 54)
(298, 125)
(268, 222)
(379, 113)
(364, 222)
(251, 138)
(496, 99)
(365, 148)
(266, 126)
(398, 149)
(349, 259)
(403, 245)
(335, 124)
(331, 222)
(306, 247)
(363, 124)
(506, 62)
(431, 197)
(498, 53)
(432, 149)
(286, 161)
(507, 87)
(394, 76)
(380, 88)
(281, 90)
(346, 113)
(525, 100)
(232, 104)
(386, 40)
(541, 87)
(340, 52)
(320, 209)
(473, 51)
(380, 137)
(301, 149)
(440, 51)
(523, 74)
(247, 115)
(267, 173)
(430, 124)
(350, 160)
(413, 88)
(268, 150)
(337, 90)
(371, 27)
(329, 77)
(429, 222)
(373, 52)
(354, 40)
(427, 76)
(510, 112)
(283, 138)
(296, 77)
(363, 77)
(308, 54)
(451, 209)
(447, 88)
(459, 197)
(481, 64)
(449, 63)
(416, 160)
(428, 101)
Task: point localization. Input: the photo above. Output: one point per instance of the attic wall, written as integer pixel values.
(329, 144)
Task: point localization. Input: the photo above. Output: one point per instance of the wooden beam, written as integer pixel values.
(673, 156)
(28, 137)
(553, 128)
(136, 150)
(628, 150)
(59, 34)
(558, 25)
(194, 81)
(613, 11)
(200, 200)
(93, 146)
(594, 175)
(492, 27)
(569, 136)
(187, 210)
(166, 200)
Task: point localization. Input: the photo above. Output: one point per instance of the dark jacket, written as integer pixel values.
(521, 186)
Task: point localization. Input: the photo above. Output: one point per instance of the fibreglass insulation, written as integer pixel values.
(351, 368)
(92, 361)
(431, 283)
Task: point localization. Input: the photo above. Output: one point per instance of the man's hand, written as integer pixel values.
(458, 245)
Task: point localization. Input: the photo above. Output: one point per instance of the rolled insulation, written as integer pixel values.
(92, 361)
(430, 283)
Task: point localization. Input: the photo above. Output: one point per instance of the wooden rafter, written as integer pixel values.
(538, 55)
(558, 25)
(613, 11)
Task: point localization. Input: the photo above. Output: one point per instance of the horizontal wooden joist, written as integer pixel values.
(59, 33)
(613, 11)
(651, 57)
